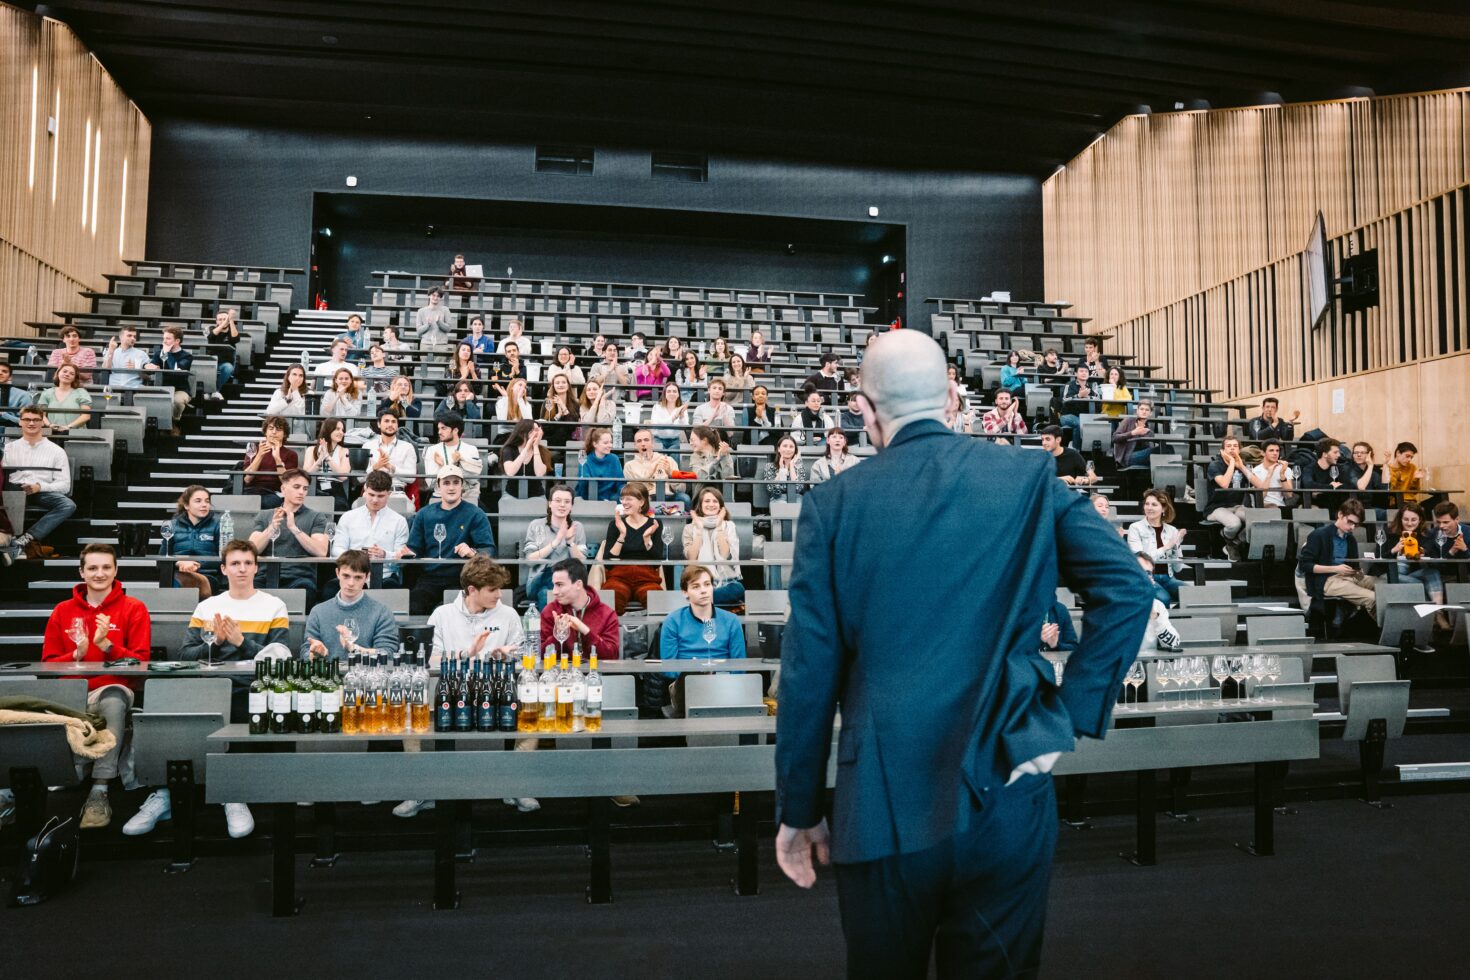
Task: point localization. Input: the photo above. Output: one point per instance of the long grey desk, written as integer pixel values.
(283, 778)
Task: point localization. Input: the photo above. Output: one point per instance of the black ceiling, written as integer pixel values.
(1014, 86)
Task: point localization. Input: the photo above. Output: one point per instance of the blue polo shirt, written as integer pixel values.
(682, 638)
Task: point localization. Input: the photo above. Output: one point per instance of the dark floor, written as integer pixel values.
(1353, 892)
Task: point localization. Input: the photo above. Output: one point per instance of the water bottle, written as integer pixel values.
(32, 354)
(1091, 470)
(306, 359)
(617, 432)
(373, 402)
(531, 624)
(226, 530)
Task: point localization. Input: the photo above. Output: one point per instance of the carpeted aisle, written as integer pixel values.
(1353, 892)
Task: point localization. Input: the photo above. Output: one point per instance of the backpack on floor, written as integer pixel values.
(49, 862)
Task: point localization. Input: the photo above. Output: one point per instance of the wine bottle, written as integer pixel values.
(546, 692)
(259, 701)
(527, 693)
(508, 706)
(351, 706)
(444, 697)
(487, 714)
(462, 700)
(579, 692)
(593, 718)
(303, 697)
(331, 720)
(279, 699)
(564, 695)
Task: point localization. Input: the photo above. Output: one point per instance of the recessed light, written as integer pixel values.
(351, 181)
(873, 211)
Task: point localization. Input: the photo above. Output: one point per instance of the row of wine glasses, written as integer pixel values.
(1191, 674)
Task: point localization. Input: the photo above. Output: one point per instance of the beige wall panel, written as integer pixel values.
(68, 213)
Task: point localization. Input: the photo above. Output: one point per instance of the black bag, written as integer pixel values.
(50, 861)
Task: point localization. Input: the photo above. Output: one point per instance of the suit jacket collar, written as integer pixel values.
(918, 429)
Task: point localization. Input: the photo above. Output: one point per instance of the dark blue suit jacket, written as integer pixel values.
(918, 591)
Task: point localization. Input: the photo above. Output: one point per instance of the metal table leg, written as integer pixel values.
(1146, 853)
(599, 839)
(1074, 793)
(284, 902)
(181, 790)
(747, 877)
(1269, 776)
(326, 836)
(446, 897)
(1179, 796)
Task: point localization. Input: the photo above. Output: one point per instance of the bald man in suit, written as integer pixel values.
(920, 584)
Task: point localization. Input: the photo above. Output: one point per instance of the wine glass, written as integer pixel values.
(1380, 538)
(1220, 669)
(275, 533)
(207, 635)
(1273, 670)
(708, 635)
(668, 536)
(1136, 678)
(1163, 676)
(1199, 670)
(1258, 671)
(250, 450)
(349, 626)
(78, 633)
(107, 393)
(166, 531)
(440, 533)
(561, 631)
(1238, 675)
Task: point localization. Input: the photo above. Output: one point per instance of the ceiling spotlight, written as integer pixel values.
(326, 233)
(329, 39)
(1179, 105)
(873, 211)
(887, 259)
(351, 181)
(790, 248)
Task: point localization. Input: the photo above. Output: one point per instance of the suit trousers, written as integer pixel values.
(978, 899)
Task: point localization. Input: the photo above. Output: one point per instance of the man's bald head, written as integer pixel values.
(904, 378)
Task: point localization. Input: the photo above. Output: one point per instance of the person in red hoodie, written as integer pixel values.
(589, 621)
(100, 622)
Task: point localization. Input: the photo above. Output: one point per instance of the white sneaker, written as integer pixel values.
(238, 820)
(158, 806)
(526, 804)
(412, 808)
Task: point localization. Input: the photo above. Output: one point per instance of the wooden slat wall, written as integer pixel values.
(49, 246)
(1250, 334)
(1173, 205)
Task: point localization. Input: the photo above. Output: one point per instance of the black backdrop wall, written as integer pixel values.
(234, 194)
(584, 241)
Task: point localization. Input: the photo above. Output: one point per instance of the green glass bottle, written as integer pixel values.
(279, 699)
(259, 701)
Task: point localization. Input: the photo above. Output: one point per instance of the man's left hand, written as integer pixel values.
(794, 850)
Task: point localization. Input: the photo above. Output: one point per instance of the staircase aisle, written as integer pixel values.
(219, 444)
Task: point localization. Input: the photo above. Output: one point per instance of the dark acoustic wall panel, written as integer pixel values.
(237, 194)
(357, 252)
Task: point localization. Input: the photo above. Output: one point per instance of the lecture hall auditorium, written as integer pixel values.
(408, 413)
